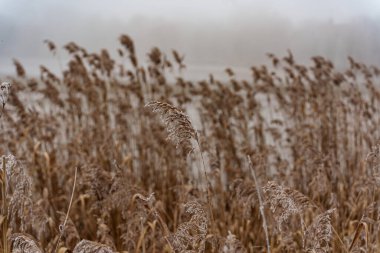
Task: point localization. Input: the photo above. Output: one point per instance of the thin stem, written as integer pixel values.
(261, 203)
(207, 182)
(2, 110)
(62, 227)
(5, 206)
(340, 240)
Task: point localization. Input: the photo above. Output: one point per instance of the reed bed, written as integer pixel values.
(112, 156)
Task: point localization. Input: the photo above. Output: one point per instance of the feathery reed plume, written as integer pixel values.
(245, 194)
(284, 201)
(178, 125)
(16, 197)
(86, 246)
(155, 56)
(318, 234)
(191, 235)
(23, 243)
(126, 41)
(51, 46)
(179, 59)
(4, 92)
(182, 132)
(150, 201)
(19, 68)
(19, 193)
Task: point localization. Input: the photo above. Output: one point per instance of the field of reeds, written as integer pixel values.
(125, 155)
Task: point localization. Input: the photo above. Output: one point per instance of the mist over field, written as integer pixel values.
(212, 34)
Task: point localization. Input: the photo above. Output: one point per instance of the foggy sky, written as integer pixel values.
(209, 32)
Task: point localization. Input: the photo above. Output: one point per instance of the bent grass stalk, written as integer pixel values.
(4, 206)
(208, 184)
(265, 227)
(62, 227)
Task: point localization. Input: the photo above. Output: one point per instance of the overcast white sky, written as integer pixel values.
(209, 32)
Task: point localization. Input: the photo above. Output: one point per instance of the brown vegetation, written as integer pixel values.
(310, 133)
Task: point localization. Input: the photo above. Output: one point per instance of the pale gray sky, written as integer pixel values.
(208, 32)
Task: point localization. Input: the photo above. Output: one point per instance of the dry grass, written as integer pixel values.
(310, 132)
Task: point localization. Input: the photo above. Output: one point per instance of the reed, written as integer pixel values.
(311, 132)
